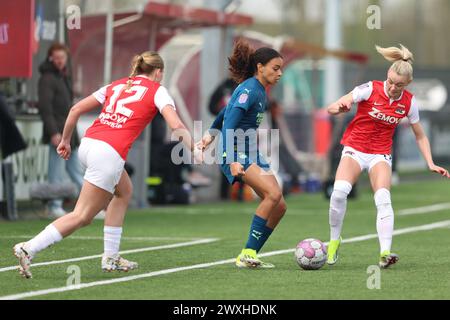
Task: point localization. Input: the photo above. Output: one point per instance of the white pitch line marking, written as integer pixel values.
(166, 246)
(426, 209)
(101, 238)
(30, 294)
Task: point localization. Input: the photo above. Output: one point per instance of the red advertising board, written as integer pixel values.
(16, 38)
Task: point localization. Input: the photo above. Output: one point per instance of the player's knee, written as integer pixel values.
(274, 196)
(382, 197)
(128, 192)
(84, 220)
(125, 192)
(341, 190)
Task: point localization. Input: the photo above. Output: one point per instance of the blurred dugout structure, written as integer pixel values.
(193, 62)
(149, 29)
(100, 49)
(163, 27)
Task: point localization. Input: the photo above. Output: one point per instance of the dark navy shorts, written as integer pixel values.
(245, 160)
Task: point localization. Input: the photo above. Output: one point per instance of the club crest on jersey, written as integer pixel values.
(400, 111)
(377, 114)
(243, 98)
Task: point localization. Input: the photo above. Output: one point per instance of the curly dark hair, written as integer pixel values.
(244, 60)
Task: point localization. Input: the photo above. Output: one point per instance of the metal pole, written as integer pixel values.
(333, 40)
(10, 198)
(109, 33)
(142, 172)
(62, 21)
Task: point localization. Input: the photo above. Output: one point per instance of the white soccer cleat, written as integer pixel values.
(24, 260)
(117, 263)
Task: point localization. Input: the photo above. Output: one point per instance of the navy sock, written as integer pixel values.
(256, 237)
(267, 232)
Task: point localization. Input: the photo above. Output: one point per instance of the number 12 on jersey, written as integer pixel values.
(116, 105)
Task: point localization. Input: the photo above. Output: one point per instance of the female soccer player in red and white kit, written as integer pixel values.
(367, 145)
(129, 105)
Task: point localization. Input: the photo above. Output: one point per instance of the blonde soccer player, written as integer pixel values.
(128, 106)
(367, 141)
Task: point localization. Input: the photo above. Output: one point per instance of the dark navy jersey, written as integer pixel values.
(250, 96)
(243, 115)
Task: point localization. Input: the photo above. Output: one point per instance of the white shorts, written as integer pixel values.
(103, 164)
(366, 160)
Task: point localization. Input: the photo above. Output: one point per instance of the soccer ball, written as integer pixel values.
(311, 254)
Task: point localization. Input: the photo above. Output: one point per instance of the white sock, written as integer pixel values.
(50, 235)
(111, 238)
(338, 207)
(385, 218)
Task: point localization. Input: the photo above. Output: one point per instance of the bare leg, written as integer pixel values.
(114, 218)
(117, 208)
(270, 210)
(267, 187)
(92, 199)
(277, 213)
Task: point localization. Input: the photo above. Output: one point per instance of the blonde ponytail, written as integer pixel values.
(137, 59)
(144, 63)
(401, 57)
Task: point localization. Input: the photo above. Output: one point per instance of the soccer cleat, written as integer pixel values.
(24, 260)
(332, 251)
(117, 263)
(249, 259)
(387, 258)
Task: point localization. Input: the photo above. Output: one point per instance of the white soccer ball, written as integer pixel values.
(311, 254)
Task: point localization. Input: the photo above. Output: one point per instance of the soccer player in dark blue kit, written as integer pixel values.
(241, 160)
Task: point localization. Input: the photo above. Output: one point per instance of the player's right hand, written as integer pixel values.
(237, 169)
(343, 107)
(64, 150)
(206, 141)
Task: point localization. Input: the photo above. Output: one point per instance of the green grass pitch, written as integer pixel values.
(422, 272)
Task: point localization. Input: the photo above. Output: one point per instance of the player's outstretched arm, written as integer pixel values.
(344, 104)
(81, 107)
(215, 128)
(173, 120)
(425, 149)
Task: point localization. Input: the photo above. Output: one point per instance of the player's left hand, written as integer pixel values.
(441, 171)
(64, 150)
